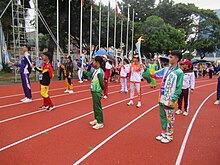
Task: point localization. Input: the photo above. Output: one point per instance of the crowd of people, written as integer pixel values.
(178, 81)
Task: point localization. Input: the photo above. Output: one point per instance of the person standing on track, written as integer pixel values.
(135, 81)
(107, 74)
(171, 88)
(68, 73)
(25, 70)
(217, 102)
(97, 86)
(46, 74)
(188, 86)
(124, 69)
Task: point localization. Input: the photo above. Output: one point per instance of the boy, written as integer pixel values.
(188, 85)
(46, 74)
(68, 73)
(171, 88)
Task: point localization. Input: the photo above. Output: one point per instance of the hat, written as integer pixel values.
(189, 63)
(182, 62)
(177, 53)
(164, 58)
(104, 56)
(68, 57)
(47, 54)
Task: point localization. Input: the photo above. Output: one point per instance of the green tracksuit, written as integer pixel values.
(97, 85)
(152, 67)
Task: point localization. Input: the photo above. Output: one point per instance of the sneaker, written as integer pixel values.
(105, 97)
(121, 91)
(85, 80)
(166, 139)
(160, 137)
(23, 99)
(94, 122)
(70, 91)
(216, 102)
(50, 108)
(80, 81)
(178, 112)
(126, 92)
(130, 103)
(98, 126)
(43, 107)
(27, 100)
(66, 91)
(138, 104)
(185, 113)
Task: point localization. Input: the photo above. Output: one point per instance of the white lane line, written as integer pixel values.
(56, 89)
(113, 135)
(180, 155)
(61, 105)
(66, 122)
(9, 105)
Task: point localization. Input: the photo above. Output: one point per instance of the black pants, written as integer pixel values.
(184, 95)
(210, 74)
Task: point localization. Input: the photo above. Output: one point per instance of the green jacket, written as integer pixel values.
(97, 80)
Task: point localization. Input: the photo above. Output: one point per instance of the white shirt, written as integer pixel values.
(188, 81)
(124, 70)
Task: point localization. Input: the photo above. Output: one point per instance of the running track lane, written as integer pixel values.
(13, 132)
(137, 144)
(203, 143)
(72, 137)
(119, 115)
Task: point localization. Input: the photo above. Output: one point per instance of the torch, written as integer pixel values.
(138, 45)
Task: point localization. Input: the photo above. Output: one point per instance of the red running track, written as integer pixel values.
(134, 144)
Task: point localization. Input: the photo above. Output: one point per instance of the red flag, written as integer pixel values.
(116, 9)
(83, 2)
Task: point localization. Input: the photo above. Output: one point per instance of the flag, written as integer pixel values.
(82, 2)
(116, 9)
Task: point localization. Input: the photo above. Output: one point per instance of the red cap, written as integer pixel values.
(189, 63)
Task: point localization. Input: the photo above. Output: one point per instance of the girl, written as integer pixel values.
(124, 70)
(68, 75)
(135, 80)
(97, 86)
(107, 74)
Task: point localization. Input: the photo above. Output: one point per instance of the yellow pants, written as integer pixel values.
(44, 91)
(69, 85)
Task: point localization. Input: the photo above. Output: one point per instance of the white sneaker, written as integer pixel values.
(94, 122)
(105, 97)
(217, 102)
(66, 91)
(160, 137)
(50, 108)
(138, 104)
(70, 91)
(166, 139)
(80, 81)
(27, 100)
(85, 80)
(43, 107)
(178, 112)
(98, 126)
(130, 103)
(121, 91)
(23, 99)
(185, 113)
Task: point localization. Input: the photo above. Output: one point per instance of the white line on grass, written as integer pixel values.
(180, 155)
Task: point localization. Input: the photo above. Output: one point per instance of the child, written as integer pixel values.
(107, 74)
(135, 81)
(188, 85)
(68, 70)
(171, 88)
(153, 67)
(124, 70)
(97, 86)
(46, 73)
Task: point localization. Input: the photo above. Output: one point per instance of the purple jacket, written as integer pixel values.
(25, 65)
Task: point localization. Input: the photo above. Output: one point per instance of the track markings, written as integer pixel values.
(180, 155)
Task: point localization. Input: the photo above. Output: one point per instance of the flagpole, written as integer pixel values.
(69, 28)
(58, 55)
(132, 38)
(108, 26)
(115, 35)
(100, 22)
(122, 21)
(90, 45)
(80, 47)
(127, 30)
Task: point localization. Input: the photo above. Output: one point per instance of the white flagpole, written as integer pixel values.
(90, 45)
(132, 40)
(81, 31)
(122, 21)
(100, 22)
(127, 30)
(108, 26)
(115, 35)
(69, 28)
(58, 54)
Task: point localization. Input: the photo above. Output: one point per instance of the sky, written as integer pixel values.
(204, 4)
